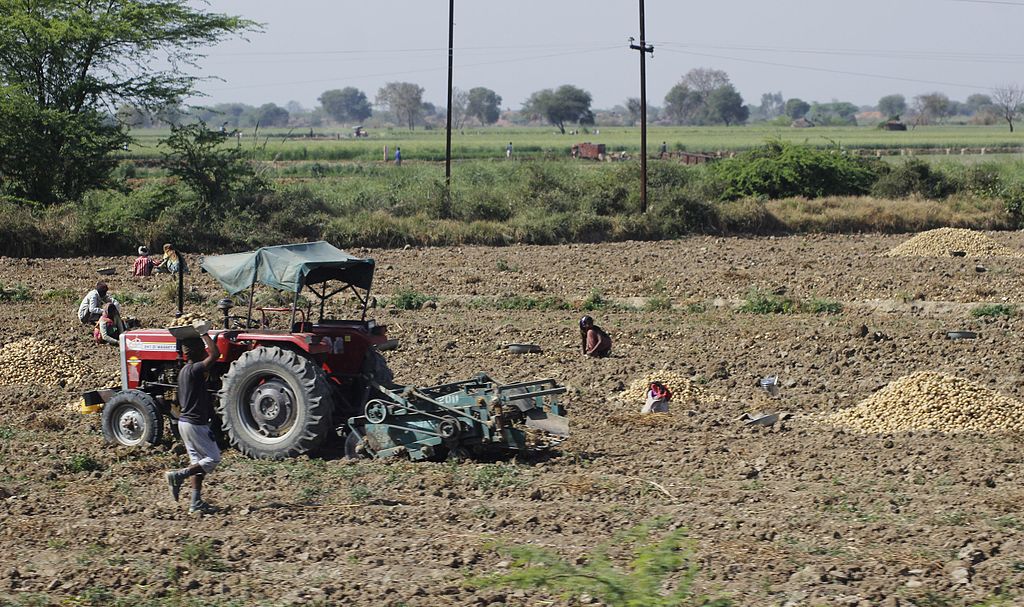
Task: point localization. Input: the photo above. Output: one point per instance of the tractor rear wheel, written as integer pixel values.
(275, 403)
(131, 418)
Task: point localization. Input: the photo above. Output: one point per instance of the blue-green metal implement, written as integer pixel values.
(471, 418)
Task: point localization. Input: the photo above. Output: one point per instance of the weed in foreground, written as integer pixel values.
(82, 463)
(16, 293)
(202, 555)
(595, 301)
(759, 302)
(994, 311)
(655, 556)
(823, 306)
(408, 299)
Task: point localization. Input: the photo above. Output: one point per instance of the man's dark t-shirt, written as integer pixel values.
(192, 394)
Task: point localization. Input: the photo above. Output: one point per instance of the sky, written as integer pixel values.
(820, 50)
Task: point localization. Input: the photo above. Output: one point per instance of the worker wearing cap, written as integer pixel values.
(593, 339)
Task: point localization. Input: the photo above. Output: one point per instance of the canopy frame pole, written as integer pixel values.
(252, 297)
(295, 306)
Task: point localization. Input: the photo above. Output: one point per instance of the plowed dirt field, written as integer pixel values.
(800, 513)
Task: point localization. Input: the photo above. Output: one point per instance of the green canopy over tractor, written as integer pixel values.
(289, 267)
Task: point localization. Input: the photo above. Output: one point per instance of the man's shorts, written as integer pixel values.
(201, 446)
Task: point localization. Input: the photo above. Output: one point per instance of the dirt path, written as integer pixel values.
(801, 514)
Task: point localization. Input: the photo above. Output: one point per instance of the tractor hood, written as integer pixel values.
(289, 267)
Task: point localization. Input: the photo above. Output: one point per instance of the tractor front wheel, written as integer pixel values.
(275, 403)
(131, 418)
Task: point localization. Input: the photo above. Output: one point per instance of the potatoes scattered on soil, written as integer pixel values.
(943, 242)
(30, 362)
(933, 401)
(683, 389)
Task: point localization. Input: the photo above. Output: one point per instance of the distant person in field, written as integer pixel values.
(172, 262)
(143, 265)
(508, 150)
(398, 156)
(109, 327)
(658, 397)
(594, 341)
(194, 422)
(664, 149)
(91, 308)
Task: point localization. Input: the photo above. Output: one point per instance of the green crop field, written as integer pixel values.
(534, 142)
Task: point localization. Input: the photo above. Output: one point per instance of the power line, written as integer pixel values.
(943, 56)
(417, 71)
(378, 51)
(830, 71)
(1003, 2)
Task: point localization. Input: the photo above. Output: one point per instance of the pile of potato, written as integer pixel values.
(933, 401)
(683, 390)
(31, 362)
(944, 241)
(186, 319)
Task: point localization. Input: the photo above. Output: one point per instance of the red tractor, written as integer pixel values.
(280, 393)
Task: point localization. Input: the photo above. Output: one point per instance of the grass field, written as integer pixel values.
(481, 143)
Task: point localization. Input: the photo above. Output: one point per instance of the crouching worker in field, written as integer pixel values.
(91, 308)
(658, 397)
(593, 340)
(194, 423)
(109, 327)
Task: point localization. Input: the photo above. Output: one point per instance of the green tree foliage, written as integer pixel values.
(484, 105)
(49, 155)
(639, 584)
(633, 109)
(725, 105)
(797, 108)
(271, 114)
(346, 105)
(783, 170)
(931, 107)
(210, 168)
(892, 106)
(567, 103)
(705, 96)
(835, 113)
(405, 99)
(66, 63)
(772, 105)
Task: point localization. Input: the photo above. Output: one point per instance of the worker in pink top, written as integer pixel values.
(593, 340)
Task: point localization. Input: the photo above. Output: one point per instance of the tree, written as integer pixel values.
(703, 81)
(565, 104)
(346, 105)
(725, 104)
(484, 105)
(978, 102)
(633, 109)
(797, 108)
(1008, 98)
(931, 106)
(892, 106)
(772, 105)
(405, 99)
(65, 64)
(212, 170)
(682, 104)
(271, 114)
(833, 113)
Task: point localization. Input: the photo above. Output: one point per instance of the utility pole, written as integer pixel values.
(644, 48)
(448, 128)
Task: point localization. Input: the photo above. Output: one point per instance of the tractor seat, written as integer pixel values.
(302, 327)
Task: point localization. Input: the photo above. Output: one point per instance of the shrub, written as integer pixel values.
(408, 299)
(993, 311)
(656, 558)
(913, 177)
(780, 170)
(18, 293)
(759, 302)
(823, 306)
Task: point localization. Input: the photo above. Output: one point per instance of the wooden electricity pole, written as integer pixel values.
(644, 48)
